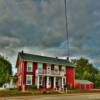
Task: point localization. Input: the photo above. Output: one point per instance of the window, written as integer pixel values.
(63, 69)
(40, 67)
(56, 68)
(29, 80)
(29, 67)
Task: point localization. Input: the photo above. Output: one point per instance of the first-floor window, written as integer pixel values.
(29, 80)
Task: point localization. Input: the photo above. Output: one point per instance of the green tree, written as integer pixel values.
(97, 81)
(5, 70)
(85, 70)
(15, 78)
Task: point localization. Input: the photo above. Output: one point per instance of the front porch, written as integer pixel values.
(50, 82)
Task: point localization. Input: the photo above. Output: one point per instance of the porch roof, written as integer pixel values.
(44, 59)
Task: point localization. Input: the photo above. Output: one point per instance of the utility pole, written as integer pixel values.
(67, 32)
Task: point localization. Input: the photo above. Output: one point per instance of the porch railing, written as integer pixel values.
(50, 73)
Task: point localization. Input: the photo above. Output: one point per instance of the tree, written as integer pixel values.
(5, 70)
(97, 81)
(86, 71)
(15, 77)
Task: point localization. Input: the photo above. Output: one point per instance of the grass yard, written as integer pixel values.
(13, 92)
(16, 92)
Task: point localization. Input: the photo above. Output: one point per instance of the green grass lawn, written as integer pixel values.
(13, 92)
(16, 92)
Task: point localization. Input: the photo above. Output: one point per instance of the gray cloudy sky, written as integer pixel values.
(38, 26)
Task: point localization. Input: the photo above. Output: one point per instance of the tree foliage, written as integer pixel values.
(86, 71)
(5, 70)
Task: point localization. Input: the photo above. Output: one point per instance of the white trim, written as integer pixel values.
(62, 82)
(64, 68)
(27, 78)
(54, 82)
(48, 82)
(56, 68)
(38, 79)
(41, 67)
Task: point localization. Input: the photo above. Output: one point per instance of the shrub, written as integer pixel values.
(51, 92)
(36, 92)
(34, 87)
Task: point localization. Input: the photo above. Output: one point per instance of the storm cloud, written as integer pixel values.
(38, 26)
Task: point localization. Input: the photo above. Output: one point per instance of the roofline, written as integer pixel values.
(84, 80)
(18, 58)
(20, 54)
(48, 63)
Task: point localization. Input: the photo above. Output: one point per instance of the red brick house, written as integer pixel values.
(46, 72)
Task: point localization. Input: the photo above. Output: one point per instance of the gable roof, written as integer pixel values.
(84, 82)
(44, 59)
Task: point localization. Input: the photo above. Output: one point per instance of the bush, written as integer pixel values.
(51, 92)
(34, 87)
(36, 92)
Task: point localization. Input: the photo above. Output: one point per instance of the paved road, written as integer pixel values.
(67, 97)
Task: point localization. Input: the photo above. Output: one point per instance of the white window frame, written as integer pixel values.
(40, 64)
(63, 67)
(56, 67)
(27, 79)
(28, 66)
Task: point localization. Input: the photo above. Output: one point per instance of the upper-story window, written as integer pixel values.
(40, 68)
(29, 67)
(56, 68)
(63, 69)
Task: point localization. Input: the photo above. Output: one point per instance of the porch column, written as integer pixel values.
(37, 81)
(62, 82)
(54, 82)
(47, 83)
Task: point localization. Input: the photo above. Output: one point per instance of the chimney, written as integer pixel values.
(22, 52)
(68, 59)
(56, 57)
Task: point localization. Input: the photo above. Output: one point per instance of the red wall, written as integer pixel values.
(44, 68)
(70, 74)
(34, 70)
(60, 67)
(24, 81)
(83, 86)
(20, 65)
(52, 67)
(29, 73)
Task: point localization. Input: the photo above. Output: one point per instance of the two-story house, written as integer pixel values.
(46, 72)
